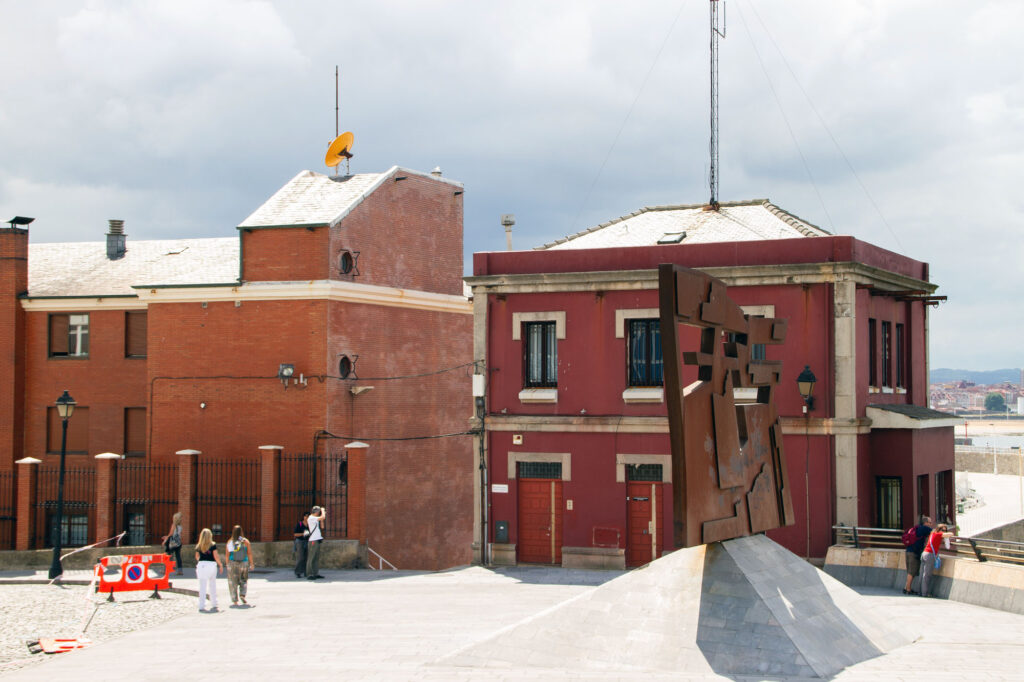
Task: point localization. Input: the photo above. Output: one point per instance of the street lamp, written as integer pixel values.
(65, 408)
(805, 384)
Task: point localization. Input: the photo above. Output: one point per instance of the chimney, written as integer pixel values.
(436, 172)
(115, 240)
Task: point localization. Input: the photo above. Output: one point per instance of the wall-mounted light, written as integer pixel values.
(356, 390)
(805, 384)
(285, 372)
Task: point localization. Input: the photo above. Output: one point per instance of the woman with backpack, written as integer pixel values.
(239, 563)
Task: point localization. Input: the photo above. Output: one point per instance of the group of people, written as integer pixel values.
(308, 538)
(922, 554)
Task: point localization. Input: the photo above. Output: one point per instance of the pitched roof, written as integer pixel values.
(316, 199)
(751, 220)
(83, 269)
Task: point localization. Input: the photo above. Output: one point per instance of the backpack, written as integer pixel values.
(910, 537)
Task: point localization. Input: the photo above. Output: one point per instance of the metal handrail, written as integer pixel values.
(380, 561)
(980, 549)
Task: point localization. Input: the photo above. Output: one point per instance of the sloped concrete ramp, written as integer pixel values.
(740, 607)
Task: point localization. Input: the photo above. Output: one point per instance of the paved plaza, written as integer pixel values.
(366, 625)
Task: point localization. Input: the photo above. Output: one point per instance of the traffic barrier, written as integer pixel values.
(133, 572)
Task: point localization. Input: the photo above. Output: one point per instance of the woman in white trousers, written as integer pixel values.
(208, 565)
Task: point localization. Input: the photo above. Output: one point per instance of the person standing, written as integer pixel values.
(913, 554)
(172, 541)
(931, 552)
(301, 545)
(239, 563)
(316, 538)
(207, 567)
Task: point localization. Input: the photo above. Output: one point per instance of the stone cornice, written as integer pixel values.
(814, 426)
(747, 275)
(329, 290)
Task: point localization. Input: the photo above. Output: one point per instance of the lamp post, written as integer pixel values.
(65, 408)
(805, 384)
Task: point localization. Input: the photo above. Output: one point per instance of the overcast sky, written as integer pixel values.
(900, 123)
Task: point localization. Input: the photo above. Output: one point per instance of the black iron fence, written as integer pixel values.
(145, 499)
(975, 548)
(308, 480)
(79, 507)
(8, 490)
(228, 494)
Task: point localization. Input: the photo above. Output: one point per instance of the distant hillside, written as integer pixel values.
(980, 377)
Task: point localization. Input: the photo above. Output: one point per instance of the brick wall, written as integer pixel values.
(13, 281)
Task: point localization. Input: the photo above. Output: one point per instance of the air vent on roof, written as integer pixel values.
(115, 239)
(672, 237)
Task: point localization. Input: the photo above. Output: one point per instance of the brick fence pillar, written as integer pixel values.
(188, 472)
(270, 491)
(106, 492)
(356, 512)
(25, 509)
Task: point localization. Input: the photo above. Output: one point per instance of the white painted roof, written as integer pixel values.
(316, 199)
(83, 269)
(754, 220)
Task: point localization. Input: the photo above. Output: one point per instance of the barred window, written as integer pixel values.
(644, 472)
(645, 359)
(540, 355)
(540, 470)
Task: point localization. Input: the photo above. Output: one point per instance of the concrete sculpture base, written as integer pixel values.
(739, 607)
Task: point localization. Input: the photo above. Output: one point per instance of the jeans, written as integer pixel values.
(206, 571)
(176, 553)
(238, 579)
(927, 568)
(301, 552)
(313, 561)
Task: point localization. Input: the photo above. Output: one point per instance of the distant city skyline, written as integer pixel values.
(182, 118)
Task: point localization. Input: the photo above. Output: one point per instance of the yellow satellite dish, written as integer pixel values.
(339, 150)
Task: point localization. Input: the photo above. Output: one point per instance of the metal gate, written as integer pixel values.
(79, 507)
(7, 493)
(145, 499)
(307, 480)
(228, 494)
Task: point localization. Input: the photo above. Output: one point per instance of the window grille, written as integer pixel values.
(540, 470)
(644, 472)
(890, 501)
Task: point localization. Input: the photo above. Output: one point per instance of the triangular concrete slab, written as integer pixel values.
(740, 607)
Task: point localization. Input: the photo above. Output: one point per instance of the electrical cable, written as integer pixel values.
(828, 131)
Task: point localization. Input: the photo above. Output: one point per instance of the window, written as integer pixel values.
(69, 335)
(540, 355)
(922, 495)
(872, 354)
(74, 529)
(78, 431)
(887, 354)
(134, 431)
(942, 494)
(644, 472)
(135, 524)
(540, 470)
(889, 491)
(901, 357)
(135, 324)
(644, 349)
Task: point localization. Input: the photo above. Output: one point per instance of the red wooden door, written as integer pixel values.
(540, 521)
(644, 522)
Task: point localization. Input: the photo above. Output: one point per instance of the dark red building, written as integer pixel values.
(576, 442)
(337, 314)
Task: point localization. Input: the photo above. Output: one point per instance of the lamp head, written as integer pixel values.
(805, 384)
(65, 405)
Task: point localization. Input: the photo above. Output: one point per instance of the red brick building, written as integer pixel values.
(576, 441)
(336, 315)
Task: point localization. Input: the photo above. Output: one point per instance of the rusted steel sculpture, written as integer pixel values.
(728, 469)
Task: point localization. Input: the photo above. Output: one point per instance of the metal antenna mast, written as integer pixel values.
(335, 100)
(715, 33)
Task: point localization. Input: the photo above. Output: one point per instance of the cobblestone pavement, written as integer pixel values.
(33, 611)
(365, 625)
